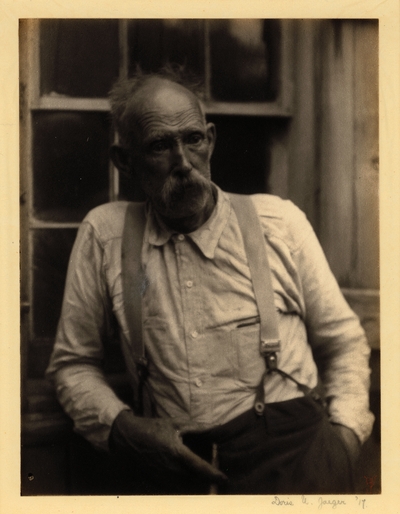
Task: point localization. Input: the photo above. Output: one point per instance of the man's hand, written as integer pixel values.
(350, 439)
(157, 444)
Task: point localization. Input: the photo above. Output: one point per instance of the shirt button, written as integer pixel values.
(198, 382)
(189, 283)
(181, 237)
(194, 334)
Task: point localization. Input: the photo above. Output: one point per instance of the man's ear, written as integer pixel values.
(211, 136)
(121, 159)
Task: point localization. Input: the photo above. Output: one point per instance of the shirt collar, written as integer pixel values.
(205, 237)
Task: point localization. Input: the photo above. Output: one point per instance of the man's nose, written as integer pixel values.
(181, 158)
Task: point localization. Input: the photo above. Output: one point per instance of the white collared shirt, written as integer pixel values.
(198, 291)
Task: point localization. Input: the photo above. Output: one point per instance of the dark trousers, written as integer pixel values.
(291, 449)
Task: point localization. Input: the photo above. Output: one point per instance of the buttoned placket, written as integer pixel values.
(196, 349)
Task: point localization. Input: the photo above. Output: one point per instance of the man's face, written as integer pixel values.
(172, 149)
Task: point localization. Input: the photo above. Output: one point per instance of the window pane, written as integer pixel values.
(152, 43)
(70, 164)
(240, 162)
(78, 57)
(244, 59)
(51, 251)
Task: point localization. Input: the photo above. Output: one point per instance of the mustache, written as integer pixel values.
(175, 188)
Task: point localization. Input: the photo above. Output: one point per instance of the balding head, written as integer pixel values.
(127, 96)
(159, 98)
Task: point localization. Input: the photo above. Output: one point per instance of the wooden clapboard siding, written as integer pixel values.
(336, 139)
(348, 141)
(302, 182)
(365, 269)
(332, 143)
(332, 153)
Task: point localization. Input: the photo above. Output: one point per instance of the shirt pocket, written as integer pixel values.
(251, 364)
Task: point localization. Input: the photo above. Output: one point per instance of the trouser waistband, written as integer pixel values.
(297, 413)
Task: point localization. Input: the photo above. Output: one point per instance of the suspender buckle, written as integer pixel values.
(270, 345)
(269, 350)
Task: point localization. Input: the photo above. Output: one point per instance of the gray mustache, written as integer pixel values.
(175, 188)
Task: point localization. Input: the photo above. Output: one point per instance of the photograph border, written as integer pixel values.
(389, 51)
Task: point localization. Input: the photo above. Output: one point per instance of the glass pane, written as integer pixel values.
(70, 164)
(153, 43)
(240, 164)
(244, 59)
(51, 251)
(78, 57)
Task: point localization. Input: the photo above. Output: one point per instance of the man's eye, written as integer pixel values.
(195, 139)
(159, 146)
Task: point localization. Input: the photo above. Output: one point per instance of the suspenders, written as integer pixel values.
(133, 282)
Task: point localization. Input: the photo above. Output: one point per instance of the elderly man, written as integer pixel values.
(223, 413)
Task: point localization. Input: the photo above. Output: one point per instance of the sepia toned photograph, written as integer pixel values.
(200, 275)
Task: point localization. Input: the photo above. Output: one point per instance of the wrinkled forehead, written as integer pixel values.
(160, 99)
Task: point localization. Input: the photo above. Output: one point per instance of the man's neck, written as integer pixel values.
(192, 223)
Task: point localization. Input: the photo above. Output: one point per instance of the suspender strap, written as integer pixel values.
(132, 283)
(253, 239)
